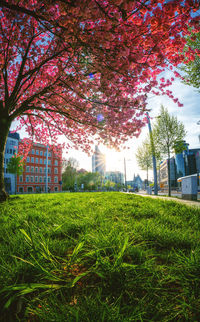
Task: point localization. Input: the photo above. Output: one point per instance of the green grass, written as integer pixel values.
(98, 257)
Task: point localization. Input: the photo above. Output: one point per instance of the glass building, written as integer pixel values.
(98, 162)
(11, 148)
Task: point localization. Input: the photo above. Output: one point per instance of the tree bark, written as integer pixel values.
(4, 130)
(147, 176)
(169, 177)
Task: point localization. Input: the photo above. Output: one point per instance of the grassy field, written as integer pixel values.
(98, 257)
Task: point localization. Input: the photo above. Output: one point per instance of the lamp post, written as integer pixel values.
(153, 156)
(198, 123)
(125, 174)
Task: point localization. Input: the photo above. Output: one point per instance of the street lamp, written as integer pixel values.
(153, 156)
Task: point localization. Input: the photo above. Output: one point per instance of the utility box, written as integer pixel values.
(189, 187)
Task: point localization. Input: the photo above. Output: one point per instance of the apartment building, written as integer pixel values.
(42, 171)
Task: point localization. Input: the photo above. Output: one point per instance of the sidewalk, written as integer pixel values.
(186, 202)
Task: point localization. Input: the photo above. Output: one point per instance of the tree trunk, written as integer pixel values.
(169, 177)
(4, 130)
(147, 176)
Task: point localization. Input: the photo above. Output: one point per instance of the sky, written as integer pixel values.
(189, 115)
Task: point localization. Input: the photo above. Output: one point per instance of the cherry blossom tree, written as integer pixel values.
(84, 68)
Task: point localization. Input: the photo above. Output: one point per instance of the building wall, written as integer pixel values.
(183, 164)
(163, 174)
(115, 176)
(33, 178)
(10, 150)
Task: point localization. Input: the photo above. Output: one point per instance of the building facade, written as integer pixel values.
(115, 176)
(42, 165)
(181, 165)
(136, 183)
(163, 174)
(98, 162)
(11, 148)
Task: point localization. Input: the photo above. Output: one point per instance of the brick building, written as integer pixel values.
(35, 171)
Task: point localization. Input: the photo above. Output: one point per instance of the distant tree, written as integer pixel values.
(144, 156)
(166, 132)
(109, 185)
(69, 174)
(192, 68)
(15, 166)
(90, 180)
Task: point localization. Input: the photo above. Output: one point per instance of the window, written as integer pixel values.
(32, 179)
(40, 179)
(56, 188)
(12, 142)
(49, 179)
(32, 169)
(56, 170)
(41, 161)
(36, 160)
(36, 169)
(56, 179)
(11, 151)
(28, 159)
(27, 168)
(49, 162)
(49, 170)
(33, 151)
(44, 179)
(20, 178)
(27, 178)
(32, 159)
(21, 189)
(49, 154)
(37, 152)
(56, 162)
(41, 153)
(40, 169)
(36, 179)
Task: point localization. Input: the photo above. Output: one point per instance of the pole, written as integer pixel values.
(153, 156)
(125, 174)
(46, 170)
